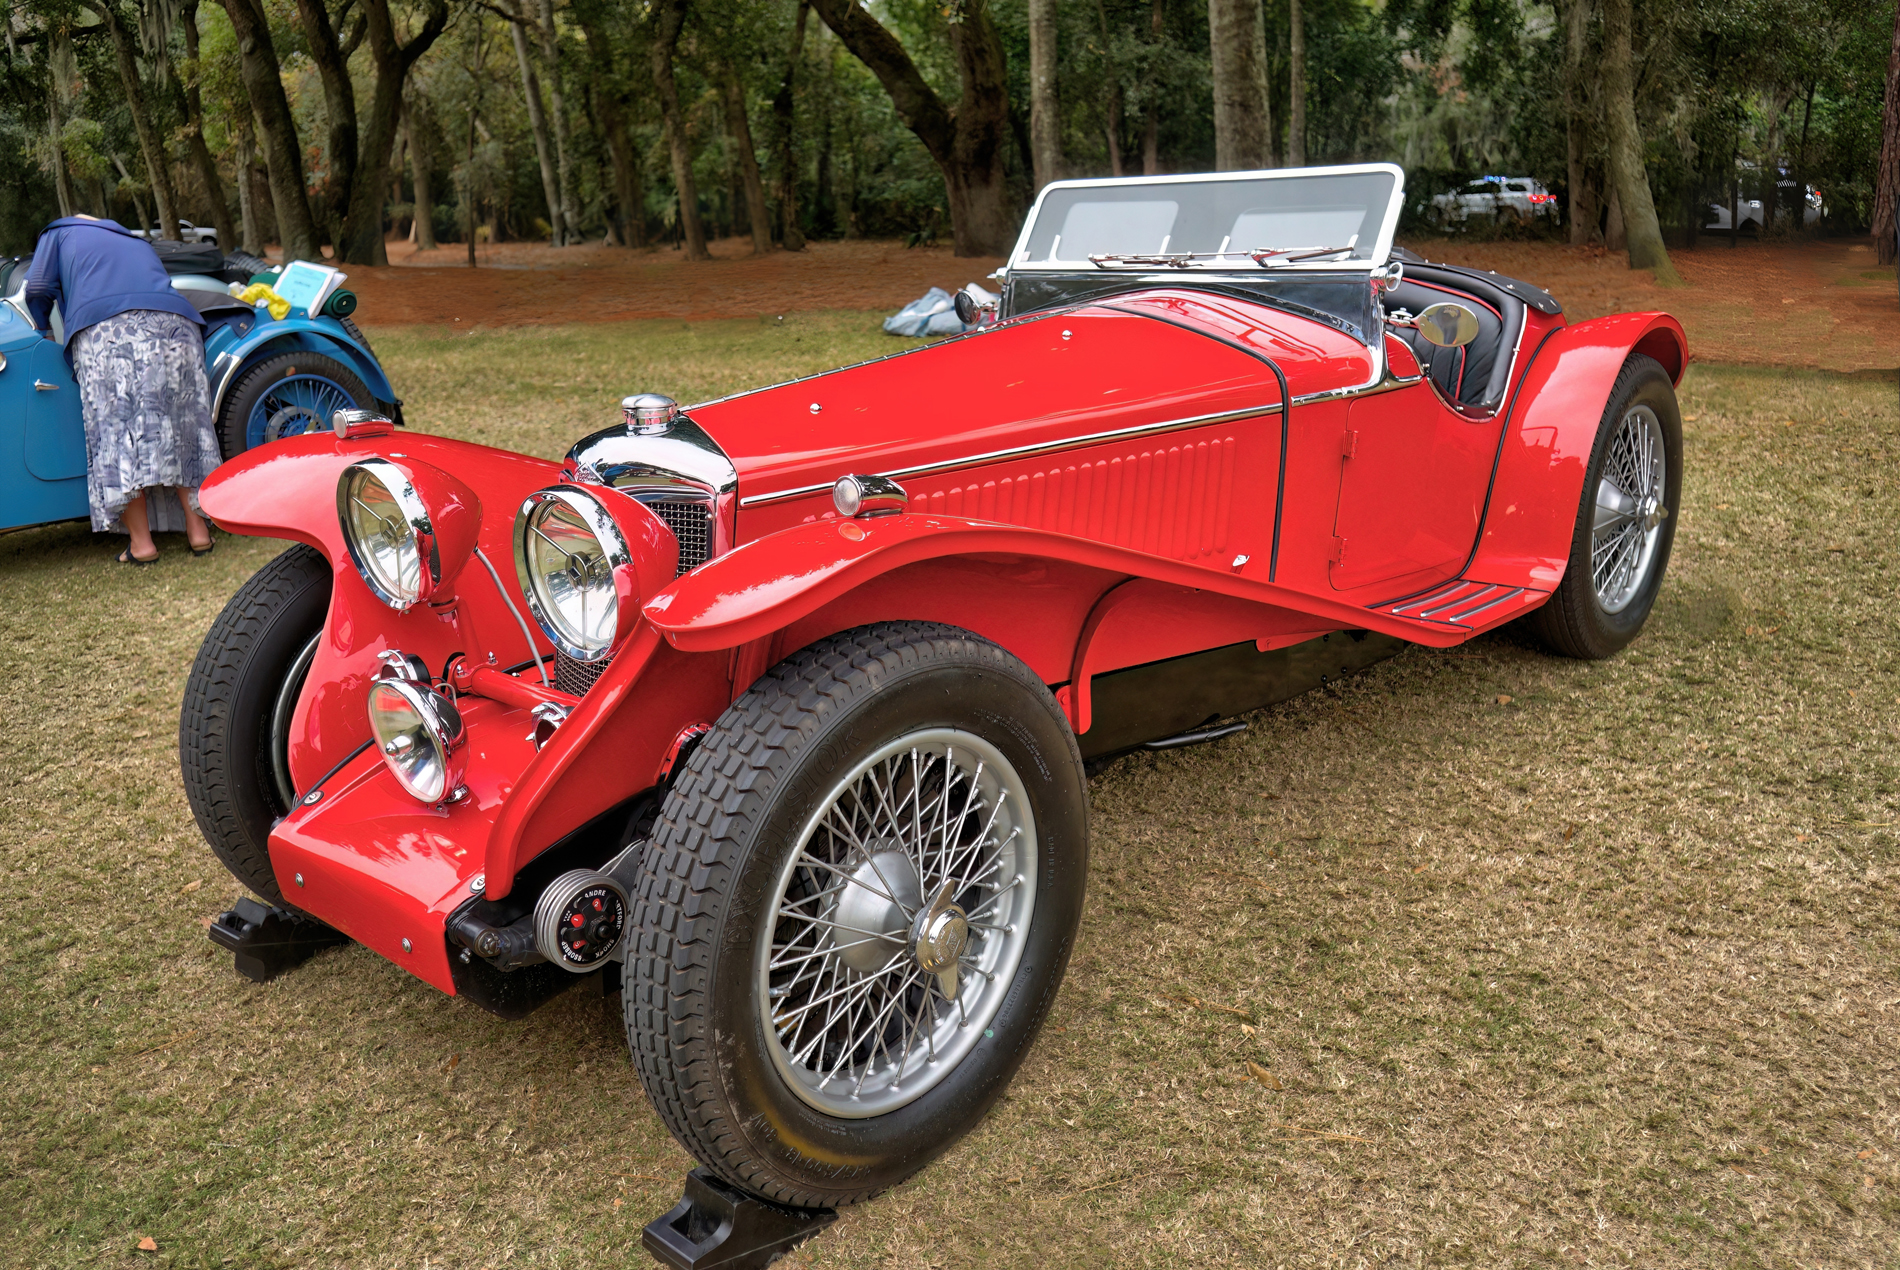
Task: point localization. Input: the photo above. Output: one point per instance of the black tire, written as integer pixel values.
(729, 824)
(225, 735)
(1573, 622)
(233, 419)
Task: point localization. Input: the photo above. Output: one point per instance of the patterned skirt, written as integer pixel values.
(148, 415)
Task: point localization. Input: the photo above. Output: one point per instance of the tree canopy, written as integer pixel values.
(326, 126)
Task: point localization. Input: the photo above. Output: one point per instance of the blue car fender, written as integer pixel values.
(227, 354)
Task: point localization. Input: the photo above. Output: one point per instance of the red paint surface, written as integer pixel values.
(1080, 561)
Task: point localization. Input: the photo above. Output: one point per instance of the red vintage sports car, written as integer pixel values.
(773, 713)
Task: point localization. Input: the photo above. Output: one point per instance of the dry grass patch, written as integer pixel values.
(1481, 957)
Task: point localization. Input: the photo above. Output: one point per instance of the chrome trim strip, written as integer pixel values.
(1511, 594)
(1482, 588)
(224, 368)
(1398, 608)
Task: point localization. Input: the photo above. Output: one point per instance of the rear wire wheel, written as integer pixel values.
(855, 911)
(234, 727)
(287, 395)
(1626, 523)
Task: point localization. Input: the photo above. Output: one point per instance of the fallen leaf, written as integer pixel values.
(1721, 507)
(1504, 698)
(148, 1244)
(1868, 1181)
(1865, 1155)
(191, 887)
(1264, 1076)
(618, 1202)
(1739, 1169)
(1247, 1029)
(1690, 418)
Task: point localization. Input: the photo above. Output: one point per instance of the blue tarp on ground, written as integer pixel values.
(933, 313)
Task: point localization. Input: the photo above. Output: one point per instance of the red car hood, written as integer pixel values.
(1134, 362)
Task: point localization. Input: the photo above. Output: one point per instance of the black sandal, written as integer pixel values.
(205, 550)
(126, 557)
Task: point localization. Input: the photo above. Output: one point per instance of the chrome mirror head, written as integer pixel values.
(972, 311)
(1448, 325)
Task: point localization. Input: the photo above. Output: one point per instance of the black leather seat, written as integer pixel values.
(1478, 375)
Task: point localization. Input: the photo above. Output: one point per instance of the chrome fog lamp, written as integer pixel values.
(419, 734)
(576, 570)
(385, 526)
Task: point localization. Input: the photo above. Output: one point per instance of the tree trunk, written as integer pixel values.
(339, 104)
(1151, 125)
(157, 165)
(132, 191)
(1613, 236)
(538, 125)
(1801, 163)
(668, 17)
(1778, 99)
(62, 180)
(1045, 119)
(253, 237)
(361, 241)
(968, 143)
(785, 157)
(1296, 87)
(1887, 180)
(757, 213)
(1113, 124)
(195, 133)
(1627, 175)
(415, 127)
(257, 61)
(1243, 119)
(1583, 205)
(612, 113)
(557, 106)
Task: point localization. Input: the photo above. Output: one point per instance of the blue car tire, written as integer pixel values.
(286, 395)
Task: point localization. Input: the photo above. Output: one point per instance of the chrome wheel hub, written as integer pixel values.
(898, 923)
(1627, 526)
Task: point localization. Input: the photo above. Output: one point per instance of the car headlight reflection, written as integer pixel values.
(387, 529)
(574, 565)
(420, 735)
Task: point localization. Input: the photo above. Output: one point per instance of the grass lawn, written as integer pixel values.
(1540, 962)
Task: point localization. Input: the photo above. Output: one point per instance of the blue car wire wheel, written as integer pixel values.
(287, 395)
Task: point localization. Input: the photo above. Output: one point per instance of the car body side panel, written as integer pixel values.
(1532, 512)
(288, 490)
(1046, 380)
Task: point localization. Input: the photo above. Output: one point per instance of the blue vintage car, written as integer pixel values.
(269, 377)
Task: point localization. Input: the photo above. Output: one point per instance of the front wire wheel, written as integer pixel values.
(1627, 522)
(899, 923)
(855, 911)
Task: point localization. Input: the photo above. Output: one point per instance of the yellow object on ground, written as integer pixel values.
(258, 291)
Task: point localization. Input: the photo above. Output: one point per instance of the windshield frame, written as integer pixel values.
(1381, 247)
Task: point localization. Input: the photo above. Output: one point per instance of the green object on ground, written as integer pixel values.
(340, 304)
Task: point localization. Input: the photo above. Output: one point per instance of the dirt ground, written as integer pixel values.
(1822, 305)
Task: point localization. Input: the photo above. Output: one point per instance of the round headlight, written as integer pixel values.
(574, 563)
(386, 527)
(419, 732)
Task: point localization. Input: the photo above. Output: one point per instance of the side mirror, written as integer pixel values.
(972, 311)
(1448, 325)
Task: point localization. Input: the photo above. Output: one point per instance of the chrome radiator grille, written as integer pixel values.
(577, 677)
(690, 519)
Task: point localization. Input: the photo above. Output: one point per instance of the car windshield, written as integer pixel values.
(1343, 216)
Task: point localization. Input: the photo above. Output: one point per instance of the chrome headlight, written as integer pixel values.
(575, 570)
(419, 732)
(409, 527)
(385, 525)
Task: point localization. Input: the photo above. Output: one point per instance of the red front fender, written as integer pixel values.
(1532, 512)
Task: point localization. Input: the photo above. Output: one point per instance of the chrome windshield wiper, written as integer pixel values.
(1292, 255)
(1160, 260)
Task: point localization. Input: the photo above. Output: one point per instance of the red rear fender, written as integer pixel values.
(1532, 512)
